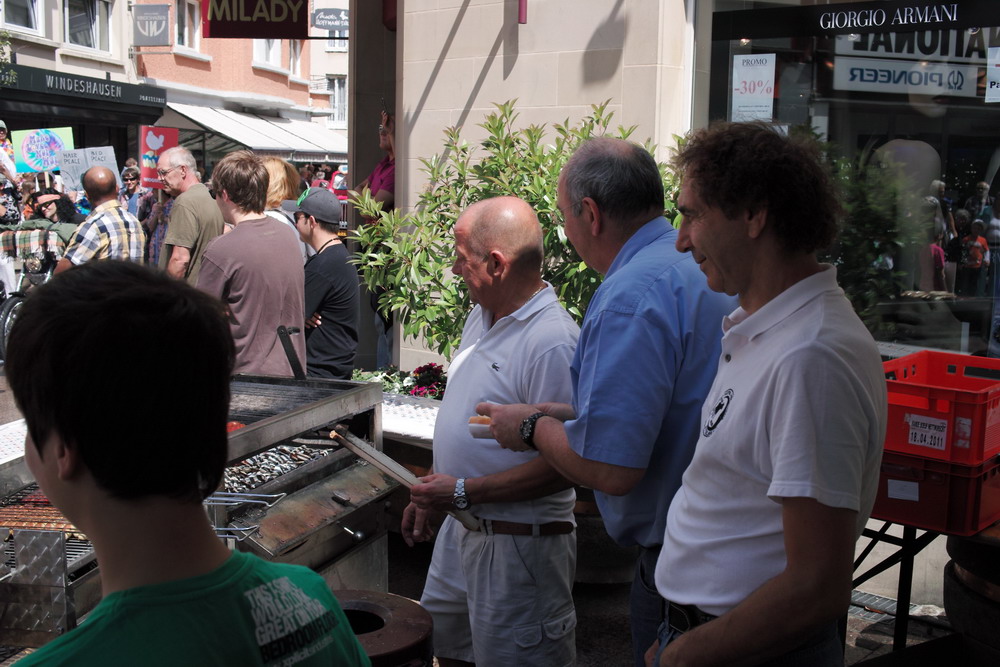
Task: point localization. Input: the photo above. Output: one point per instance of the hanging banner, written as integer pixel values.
(38, 150)
(152, 142)
(753, 87)
(152, 23)
(73, 164)
(255, 19)
(993, 76)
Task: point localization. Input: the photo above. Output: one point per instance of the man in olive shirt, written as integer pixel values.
(194, 219)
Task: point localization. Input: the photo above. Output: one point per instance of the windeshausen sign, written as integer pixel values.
(255, 19)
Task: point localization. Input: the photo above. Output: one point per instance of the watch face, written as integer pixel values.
(461, 502)
(527, 430)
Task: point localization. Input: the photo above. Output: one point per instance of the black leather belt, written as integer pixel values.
(491, 527)
(684, 617)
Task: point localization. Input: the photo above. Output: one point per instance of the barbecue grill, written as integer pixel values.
(299, 499)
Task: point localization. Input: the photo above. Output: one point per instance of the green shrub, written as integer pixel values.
(410, 255)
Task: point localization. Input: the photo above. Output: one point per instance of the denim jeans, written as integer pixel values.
(645, 604)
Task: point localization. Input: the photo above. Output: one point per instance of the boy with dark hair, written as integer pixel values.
(129, 461)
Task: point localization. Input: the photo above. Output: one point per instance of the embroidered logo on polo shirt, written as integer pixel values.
(495, 366)
(718, 412)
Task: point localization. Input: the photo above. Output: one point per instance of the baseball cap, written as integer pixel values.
(317, 202)
(3, 125)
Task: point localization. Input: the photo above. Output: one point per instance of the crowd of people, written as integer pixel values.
(266, 241)
(721, 397)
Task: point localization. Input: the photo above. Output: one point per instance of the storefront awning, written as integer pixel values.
(297, 140)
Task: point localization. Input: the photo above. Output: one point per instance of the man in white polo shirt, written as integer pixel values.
(501, 595)
(757, 555)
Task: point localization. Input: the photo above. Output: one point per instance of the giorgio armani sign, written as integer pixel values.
(853, 18)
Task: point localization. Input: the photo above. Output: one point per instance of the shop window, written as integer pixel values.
(267, 52)
(295, 57)
(188, 24)
(907, 104)
(336, 40)
(337, 85)
(22, 13)
(88, 23)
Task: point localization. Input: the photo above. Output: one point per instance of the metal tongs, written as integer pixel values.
(227, 499)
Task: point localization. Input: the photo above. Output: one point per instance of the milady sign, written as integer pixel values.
(900, 16)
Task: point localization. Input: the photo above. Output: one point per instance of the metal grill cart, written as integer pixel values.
(294, 496)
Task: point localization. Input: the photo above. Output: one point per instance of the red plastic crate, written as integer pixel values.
(944, 406)
(938, 496)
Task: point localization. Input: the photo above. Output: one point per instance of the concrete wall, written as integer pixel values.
(459, 57)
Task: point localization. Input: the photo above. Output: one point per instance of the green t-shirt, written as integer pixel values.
(247, 612)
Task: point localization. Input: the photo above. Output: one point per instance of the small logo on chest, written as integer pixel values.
(718, 412)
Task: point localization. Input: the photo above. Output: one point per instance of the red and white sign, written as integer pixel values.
(152, 142)
(257, 19)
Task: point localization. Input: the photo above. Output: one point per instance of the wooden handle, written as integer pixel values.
(393, 469)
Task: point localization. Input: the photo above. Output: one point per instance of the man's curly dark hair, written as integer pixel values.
(739, 167)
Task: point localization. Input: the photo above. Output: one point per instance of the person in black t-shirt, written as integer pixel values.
(331, 305)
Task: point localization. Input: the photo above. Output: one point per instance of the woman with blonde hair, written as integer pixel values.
(283, 183)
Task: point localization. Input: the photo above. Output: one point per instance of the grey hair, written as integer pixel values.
(621, 177)
(180, 156)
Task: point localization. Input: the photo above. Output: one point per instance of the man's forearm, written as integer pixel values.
(550, 439)
(180, 258)
(527, 481)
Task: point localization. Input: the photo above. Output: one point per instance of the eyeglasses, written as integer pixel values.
(211, 193)
(129, 179)
(163, 172)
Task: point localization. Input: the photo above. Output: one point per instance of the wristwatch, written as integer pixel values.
(460, 501)
(528, 429)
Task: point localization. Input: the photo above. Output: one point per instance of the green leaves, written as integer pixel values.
(411, 255)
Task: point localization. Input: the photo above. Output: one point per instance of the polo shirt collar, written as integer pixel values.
(645, 235)
(536, 303)
(782, 306)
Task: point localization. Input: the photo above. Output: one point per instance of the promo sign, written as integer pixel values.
(151, 23)
(39, 150)
(152, 142)
(73, 164)
(753, 87)
(255, 19)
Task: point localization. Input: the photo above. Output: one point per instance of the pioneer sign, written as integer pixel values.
(256, 19)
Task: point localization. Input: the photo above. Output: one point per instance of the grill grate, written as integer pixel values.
(252, 401)
(30, 508)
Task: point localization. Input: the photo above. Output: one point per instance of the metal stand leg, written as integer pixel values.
(903, 591)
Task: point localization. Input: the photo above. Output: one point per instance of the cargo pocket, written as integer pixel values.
(551, 643)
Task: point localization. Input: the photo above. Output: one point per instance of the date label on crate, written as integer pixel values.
(927, 431)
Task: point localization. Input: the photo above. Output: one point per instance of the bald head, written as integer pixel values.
(507, 224)
(100, 185)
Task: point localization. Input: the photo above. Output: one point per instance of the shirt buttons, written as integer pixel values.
(729, 357)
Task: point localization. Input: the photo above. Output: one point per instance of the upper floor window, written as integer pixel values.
(188, 23)
(337, 87)
(336, 40)
(295, 57)
(267, 51)
(88, 23)
(22, 13)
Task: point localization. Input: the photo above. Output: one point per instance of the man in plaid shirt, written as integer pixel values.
(110, 231)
